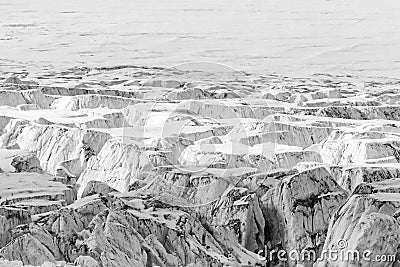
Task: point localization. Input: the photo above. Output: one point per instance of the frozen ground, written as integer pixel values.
(106, 167)
(288, 37)
(109, 159)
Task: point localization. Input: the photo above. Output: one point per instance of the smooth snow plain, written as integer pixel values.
(288, 37)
